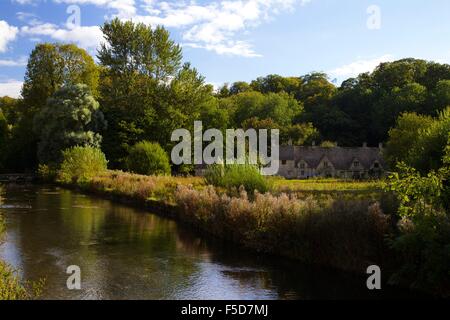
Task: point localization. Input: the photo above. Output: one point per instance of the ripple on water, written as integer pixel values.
(15, 206)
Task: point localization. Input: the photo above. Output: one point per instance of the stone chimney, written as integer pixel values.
(380, 146)
(365, 145)
(313, 143)
(290, 142)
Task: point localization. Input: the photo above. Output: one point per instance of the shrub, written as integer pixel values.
(328, 144)
(424, 240)
(47, 173)
(81, 163)
(149, 159)
(235, 176)
(11, 288)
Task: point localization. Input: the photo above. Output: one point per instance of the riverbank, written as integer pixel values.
(11, 287)
(341, 233)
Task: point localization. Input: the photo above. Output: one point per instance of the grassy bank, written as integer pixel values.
(346, 234)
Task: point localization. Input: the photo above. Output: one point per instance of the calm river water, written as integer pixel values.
(125, 253)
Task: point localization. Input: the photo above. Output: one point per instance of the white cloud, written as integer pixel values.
(24, 2)
(7, 34)
(11, 88)
(13, 63)
(360, 66)
(86, 37)
(215, 26)
(123, 8)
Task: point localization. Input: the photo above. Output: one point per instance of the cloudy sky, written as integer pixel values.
(230, 40)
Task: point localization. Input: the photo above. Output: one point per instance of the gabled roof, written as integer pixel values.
(341, 158)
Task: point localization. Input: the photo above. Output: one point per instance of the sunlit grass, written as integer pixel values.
(326, 185)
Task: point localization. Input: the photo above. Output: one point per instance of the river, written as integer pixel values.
(127, 253)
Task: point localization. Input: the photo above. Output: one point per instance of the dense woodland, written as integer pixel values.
(141, 90)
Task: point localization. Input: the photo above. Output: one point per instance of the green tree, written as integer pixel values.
(429, 150)
(138, 67)
(280, 107)
(239, 87)
(276, 84)
(441, 94)
(403, 137)
(149, 159)
(50, 67)
(71, 117)
(4, 135)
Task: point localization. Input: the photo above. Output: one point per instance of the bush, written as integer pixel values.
(11, 288)
(235, 176)
(148, 158)
(81, 163)
(423, 244)
(47, 173)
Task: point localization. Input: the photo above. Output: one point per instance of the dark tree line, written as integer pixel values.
(362, 109)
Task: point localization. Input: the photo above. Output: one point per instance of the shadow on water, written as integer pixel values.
(125, 253)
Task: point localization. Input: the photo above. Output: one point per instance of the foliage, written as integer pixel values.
(4, 135)
(81, 163)
(50, 67)
(424, 241)
(328, 144)
(11, 288)
(138, 63)
(332, 232)
(428, 151)
(363, 109)
(404, 135)
(149, 159)
(47, 173)
(70, 118)
(419, 141)
(279, 107)
(234, 176)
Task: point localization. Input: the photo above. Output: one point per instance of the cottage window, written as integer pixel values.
(283, 162)
(325, 164)
(356, 164)
(376, 165)
(302, 166)
(302, 173)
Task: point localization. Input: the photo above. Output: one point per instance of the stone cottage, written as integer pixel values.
(338, 162)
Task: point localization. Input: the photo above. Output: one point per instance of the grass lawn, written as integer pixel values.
(327, 186)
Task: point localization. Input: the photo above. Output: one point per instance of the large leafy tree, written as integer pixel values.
(146, 91)
(70, 118)
(50, 67)
(280, 107)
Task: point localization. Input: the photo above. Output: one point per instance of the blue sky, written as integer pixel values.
(230, 40)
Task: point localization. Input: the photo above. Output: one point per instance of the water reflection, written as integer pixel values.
(125, 253)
